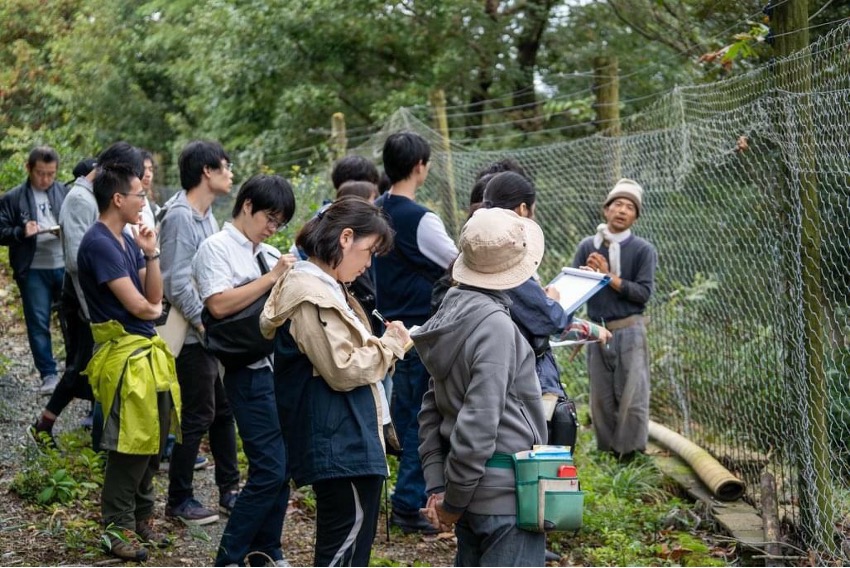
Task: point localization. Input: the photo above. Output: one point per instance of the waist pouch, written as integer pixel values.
(548, 493)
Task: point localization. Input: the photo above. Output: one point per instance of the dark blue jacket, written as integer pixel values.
(17, 207)
(329, 434)
(404, 277)
(538, 316)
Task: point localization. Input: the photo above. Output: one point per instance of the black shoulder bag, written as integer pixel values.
(236, 340)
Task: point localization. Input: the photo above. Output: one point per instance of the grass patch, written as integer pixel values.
(630, 519)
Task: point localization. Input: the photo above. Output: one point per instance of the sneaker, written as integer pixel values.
(550, 556)
(412, 523)
(41, 439)
(201, 462)
(280, 562)
(228, 501)
(48, 384)
(146, 531)
(191, 512)
(127, 547)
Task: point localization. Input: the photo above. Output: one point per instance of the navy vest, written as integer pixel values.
(405, 277)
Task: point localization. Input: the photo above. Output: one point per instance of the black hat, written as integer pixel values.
(84, 167)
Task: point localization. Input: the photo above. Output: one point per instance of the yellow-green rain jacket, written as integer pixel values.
(135, 368)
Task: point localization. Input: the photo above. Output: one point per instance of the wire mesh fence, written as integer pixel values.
(748, 203)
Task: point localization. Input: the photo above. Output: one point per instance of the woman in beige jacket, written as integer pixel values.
(328, 367)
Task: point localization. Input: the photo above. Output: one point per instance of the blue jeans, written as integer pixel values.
(496, 540)
(40, 289)
(410, 381)
(256, 522)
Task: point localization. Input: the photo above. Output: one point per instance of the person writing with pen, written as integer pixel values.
(619, 375)
(328, 369)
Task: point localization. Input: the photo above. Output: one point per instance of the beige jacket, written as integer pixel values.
(341, 353)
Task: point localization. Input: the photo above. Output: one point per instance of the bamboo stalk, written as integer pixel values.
(717, 478)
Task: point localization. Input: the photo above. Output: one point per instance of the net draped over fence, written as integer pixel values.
(747, 199)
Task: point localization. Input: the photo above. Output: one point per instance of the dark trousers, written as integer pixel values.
(205, 409)
(496, 540)
(347, 510)
(410, 381)
(256, 523)
(128, 493)
(78, 352)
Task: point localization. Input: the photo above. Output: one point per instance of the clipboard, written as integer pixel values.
(577, 286)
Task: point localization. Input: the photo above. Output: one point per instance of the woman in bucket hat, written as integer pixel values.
(484, 398)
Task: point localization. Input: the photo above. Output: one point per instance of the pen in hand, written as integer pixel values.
(380, 316)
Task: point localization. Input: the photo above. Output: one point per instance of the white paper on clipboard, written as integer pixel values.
(577, 286)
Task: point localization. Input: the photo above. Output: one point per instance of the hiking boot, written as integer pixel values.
(191, 512)
(412, 523)
(228, 501)
(146, 531)
(127, 547)
(201, 462)
(48, 384)
(41, 439)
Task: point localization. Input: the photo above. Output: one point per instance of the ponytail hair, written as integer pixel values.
(509, 190)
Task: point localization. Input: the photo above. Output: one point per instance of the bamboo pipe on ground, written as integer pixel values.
(717, 478)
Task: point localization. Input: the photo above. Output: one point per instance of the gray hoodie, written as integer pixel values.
(483, 398)
(181, 233)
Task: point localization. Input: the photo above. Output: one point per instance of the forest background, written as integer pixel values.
(265, 76)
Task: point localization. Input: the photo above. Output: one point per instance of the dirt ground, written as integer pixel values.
(29, 536)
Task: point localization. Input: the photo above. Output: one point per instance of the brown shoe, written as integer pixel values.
(126, 546)
(148, 534)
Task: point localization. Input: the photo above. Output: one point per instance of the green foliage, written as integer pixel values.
(50, 477)
(627, 517)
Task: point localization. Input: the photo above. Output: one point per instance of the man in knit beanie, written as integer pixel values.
(619, 371)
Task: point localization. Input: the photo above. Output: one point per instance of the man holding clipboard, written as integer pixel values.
(619, 373)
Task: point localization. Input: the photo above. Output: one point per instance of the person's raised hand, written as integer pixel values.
(284, 263)
(145, 237)
(30, 229)
(396, 329)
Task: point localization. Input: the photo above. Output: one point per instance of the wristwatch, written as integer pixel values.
(154, 256)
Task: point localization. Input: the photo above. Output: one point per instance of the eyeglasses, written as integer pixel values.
(141, 194)
(273, 223)
(227, 166)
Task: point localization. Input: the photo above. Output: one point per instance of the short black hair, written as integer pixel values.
(384, 184)
(354, 168)
(44, 154)
(319, 237)
(362, 189)
(269, 193)
(123, 153)
(503, 165)
(196, 156)
(509, 190)
(402, 152)
(111, 179)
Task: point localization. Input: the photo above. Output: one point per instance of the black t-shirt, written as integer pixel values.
(101, 259)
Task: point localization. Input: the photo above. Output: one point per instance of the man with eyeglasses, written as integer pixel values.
(205, 173)
(79, 212)
(28, 215)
